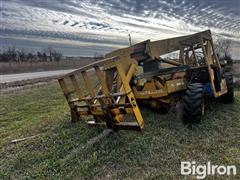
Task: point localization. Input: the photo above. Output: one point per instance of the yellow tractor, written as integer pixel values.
(144, 74)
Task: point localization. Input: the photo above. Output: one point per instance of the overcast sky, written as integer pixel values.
(84, 27)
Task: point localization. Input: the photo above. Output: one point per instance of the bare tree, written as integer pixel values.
(39, 56)
(30, 57)
(11, 54)
(54, 55)
(44, 56)
(4, 57)
(50, 51)
(21, 55)
(222, 47)
(57, 55)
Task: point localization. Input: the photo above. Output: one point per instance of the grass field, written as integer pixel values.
(155, 153)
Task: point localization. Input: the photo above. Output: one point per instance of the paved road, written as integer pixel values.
(25, 76)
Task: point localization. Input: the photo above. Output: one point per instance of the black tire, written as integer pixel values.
(193, 104)
(229, 96)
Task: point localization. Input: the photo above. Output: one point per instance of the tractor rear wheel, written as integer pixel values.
(229, 96)
(193, 104)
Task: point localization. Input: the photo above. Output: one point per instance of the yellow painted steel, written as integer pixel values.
(150, 92)
(176, 85)
(130, 96)
(116, 72)
(103, 104)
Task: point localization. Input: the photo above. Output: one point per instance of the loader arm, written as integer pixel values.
(150, 50)
(147, 51)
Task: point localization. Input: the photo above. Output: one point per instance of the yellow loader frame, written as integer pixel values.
(108, 109)
(121, 87)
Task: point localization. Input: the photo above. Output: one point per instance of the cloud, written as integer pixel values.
(108, 23)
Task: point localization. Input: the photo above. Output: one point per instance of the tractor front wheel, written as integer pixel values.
(193, 104)
(229, 96)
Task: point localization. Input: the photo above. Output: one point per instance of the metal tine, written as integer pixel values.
(102, 80)
(76, 86)
(88, 83)
(64, 87)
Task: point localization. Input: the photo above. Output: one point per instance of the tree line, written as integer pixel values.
(12, 54)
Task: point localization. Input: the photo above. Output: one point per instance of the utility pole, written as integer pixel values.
(130, 40)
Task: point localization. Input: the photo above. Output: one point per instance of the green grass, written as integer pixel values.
(154, 153)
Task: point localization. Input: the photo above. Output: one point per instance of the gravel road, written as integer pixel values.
(27, 76)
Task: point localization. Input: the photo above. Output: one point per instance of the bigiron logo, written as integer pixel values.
(201, 171)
